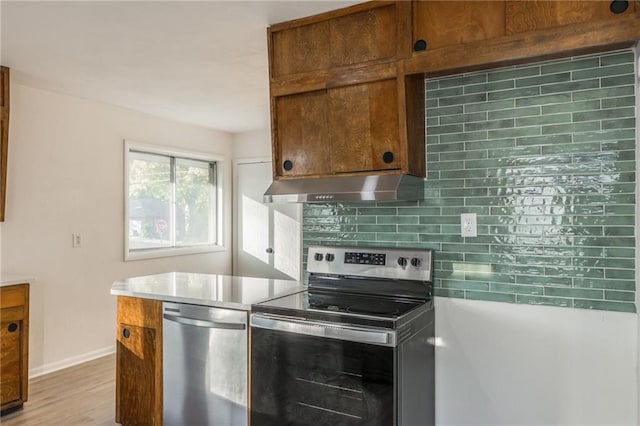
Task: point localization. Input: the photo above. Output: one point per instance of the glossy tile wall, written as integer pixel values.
(544, 154)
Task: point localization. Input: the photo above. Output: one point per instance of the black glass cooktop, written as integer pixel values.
(358, 304)
(339, 307)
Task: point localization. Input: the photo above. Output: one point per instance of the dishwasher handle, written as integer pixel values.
(204, 323)
(373, 336)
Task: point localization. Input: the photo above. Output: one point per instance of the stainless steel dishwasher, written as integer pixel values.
(204, 365)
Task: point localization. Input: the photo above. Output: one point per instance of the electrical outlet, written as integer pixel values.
(468, 225)
(76, 240)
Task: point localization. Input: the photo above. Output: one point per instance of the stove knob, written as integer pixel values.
(402, 261)
(318, 257)
(415, 262)
(330, 257)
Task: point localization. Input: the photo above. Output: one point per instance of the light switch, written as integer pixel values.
(76, 240)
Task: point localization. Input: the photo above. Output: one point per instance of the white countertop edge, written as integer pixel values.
(199, 301)
(15, 279)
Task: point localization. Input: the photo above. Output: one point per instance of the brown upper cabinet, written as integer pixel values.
(369, 139)
(468, 35)
(354, 36)
(300, 134)
(339, 97)
(448, 23)
(523, 16)
(347, 86)
(346, 129)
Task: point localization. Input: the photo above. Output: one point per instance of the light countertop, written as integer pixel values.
(8, 280)
(223, 291)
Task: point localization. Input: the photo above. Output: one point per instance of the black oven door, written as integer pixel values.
(299, 379)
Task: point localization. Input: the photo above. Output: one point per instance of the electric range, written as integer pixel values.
(355, 348)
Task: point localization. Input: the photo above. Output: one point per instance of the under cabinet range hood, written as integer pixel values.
(346, 188)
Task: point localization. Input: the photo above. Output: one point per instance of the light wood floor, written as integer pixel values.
(80, 395)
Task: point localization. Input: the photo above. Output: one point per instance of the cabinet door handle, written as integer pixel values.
(12, 327)
(126, 333)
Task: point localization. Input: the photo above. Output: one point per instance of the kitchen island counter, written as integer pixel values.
(221, 291)
(149, 351)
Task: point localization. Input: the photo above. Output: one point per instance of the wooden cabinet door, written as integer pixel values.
(302, 140)
(363, 127)
(299, 49)
(364, 36)
(14, 343)
(354, 36)
(11, 362)
(523, 16)
(136, 382)
(450, 23)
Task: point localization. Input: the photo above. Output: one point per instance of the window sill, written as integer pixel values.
(170, 252)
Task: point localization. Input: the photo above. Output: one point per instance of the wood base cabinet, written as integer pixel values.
(14, 342)
(139, 362)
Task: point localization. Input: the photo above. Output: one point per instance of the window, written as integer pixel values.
(172, 202)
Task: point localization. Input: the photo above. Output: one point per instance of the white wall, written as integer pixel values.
(507, 364)
(255, 144)
(65, 176)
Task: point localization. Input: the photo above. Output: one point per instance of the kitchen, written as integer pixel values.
(489, 348)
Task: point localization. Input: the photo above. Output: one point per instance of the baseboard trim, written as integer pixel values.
(70, 362)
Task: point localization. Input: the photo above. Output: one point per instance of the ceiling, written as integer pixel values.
(203, 62)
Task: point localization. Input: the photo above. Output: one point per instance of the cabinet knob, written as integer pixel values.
(419, 45)
(387, 157)
(12, 327)
(618, 6)
(269, 250)
(287, 165)
(126, 333)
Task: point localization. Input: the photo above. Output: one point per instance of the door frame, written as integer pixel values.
(234, 209)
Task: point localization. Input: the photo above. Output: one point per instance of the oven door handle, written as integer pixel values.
(374, 336)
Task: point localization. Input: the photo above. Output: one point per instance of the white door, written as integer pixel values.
(266, 237)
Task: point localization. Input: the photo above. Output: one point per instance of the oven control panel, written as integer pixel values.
(361, 258)
(397, 263)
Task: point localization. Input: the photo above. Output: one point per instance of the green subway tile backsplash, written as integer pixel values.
(544, 154)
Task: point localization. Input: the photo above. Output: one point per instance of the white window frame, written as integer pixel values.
(174, 152)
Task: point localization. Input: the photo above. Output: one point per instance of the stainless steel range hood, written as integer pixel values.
(346, 188)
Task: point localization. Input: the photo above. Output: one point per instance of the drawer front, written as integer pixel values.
(140, 312)
(14, 295)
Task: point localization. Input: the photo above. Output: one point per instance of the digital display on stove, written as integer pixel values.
(360, 258)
